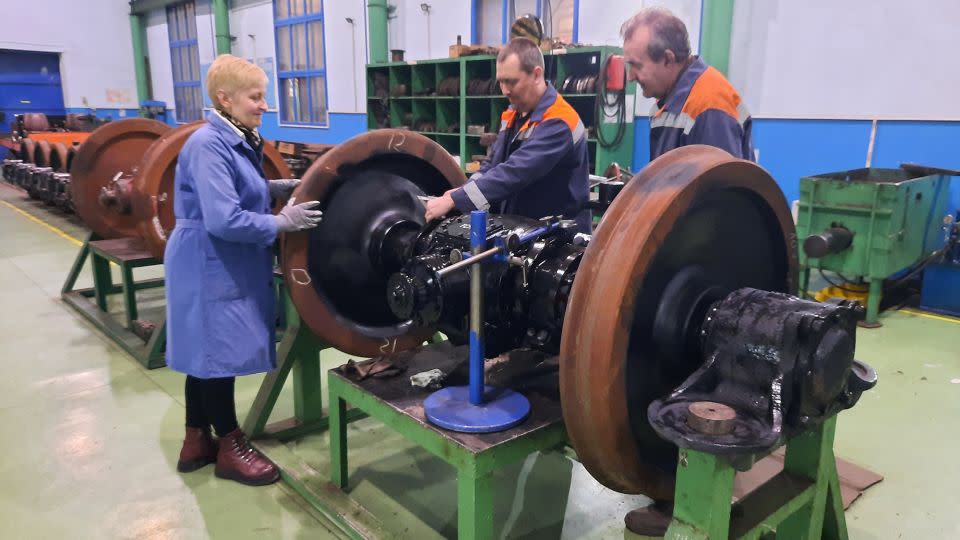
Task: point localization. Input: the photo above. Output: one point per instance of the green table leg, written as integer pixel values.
(474, 503)
(804, 283)
(102, 281)
(338, 438)
(129, 294)
(703, 494)
(873, 302)
(810, 455)
(78, 263)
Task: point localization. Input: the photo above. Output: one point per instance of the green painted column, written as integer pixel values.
(715, 28)
(139, 60)
(377, 20)
(221, 24)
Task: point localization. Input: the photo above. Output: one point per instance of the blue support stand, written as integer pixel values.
(476, 408)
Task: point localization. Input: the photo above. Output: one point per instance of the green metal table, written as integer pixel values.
(801, 502)
(298, 353)
(133, 335)
(399, 405)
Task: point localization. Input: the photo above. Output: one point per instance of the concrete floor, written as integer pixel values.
(91, 438)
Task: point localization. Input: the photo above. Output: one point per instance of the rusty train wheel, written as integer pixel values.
(329, 275)
(28, 148)
(693, 208)
(153, 184)
(59, 156)
(114, 148)
(41, 155)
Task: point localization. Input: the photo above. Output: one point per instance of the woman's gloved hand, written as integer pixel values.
(282, 188)
(298, 217)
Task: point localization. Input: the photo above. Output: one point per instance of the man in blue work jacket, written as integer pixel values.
(538, 165)
(695, 105)
(695, 102)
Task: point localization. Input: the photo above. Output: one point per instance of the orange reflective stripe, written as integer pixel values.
(562, 110)
(712, 91)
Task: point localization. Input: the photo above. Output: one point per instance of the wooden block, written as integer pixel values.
(286, 148)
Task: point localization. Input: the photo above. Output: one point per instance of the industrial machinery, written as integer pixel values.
(870, 224)
(941, 278)
(42, 169)
(122, 179)
(674, 323)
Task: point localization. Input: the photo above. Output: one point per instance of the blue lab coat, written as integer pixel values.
(218, 261)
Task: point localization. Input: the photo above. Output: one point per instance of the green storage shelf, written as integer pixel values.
(405, 95)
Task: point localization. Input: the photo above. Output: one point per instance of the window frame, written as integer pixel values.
(308, 74)
(182, 40)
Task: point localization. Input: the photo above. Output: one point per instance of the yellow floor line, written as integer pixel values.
(55, 230)
(945, 318)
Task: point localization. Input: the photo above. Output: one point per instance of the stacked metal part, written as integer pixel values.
(42, 169)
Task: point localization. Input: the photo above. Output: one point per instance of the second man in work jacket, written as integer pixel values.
(539, 164)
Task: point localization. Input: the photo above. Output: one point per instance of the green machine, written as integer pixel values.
(870, 224)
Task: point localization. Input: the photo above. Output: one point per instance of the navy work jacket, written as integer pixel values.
(702, 108)
(541, 171)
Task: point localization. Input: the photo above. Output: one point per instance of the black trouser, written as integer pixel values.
(210, 401)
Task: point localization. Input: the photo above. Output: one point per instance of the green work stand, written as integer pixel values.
(399, 405)
(132, 334)
(801, 502)
(298, 353)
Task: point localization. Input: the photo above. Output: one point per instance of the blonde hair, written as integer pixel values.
(232, 74)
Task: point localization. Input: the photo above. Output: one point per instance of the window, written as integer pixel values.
(555, 15)
(185, 60)
(301, 69)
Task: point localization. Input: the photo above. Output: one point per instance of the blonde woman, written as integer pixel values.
(219, 270)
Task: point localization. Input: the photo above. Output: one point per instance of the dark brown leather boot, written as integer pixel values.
(239, 461)
(199, 449)
(653, 520)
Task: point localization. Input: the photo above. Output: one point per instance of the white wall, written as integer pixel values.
(409, 30)
(600, 20)
(96, 66)
(600, 24)
(851, 59)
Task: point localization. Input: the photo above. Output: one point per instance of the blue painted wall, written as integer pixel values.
(929, 143)
(794, 148)
(29, 82)
(112, 114)
(342, 127)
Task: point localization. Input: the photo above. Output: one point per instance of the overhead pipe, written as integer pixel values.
(139, 59)
(715, 29)
(377, 13)
(221, 25)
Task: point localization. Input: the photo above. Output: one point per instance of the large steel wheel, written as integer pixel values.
(366, 186)
(115, 148)
(153, 194)
(696, 222)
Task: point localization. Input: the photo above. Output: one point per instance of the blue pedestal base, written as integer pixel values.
(450, 408)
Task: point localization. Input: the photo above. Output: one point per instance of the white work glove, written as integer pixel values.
(298, 217)
(281, 189)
